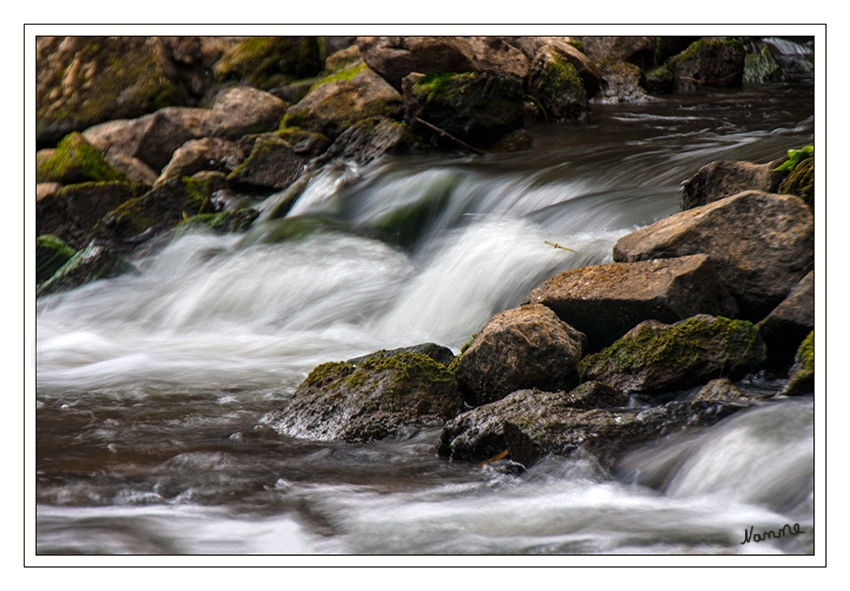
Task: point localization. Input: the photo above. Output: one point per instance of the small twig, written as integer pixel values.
(552, 244)
(449, 136)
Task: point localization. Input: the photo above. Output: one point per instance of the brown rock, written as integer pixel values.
(272, 164)
(243, 110)
(396, 57)
(525, 347)
(761, 244)
(789, 323)
(204, 154)
(606, 301)
(724, 178)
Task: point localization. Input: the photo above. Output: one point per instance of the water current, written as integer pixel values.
(152, 388)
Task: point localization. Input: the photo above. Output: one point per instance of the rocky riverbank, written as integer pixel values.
(695, 312)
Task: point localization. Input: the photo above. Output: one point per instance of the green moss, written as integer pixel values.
(225, 221)
(442, 85)
(270, 62)
(76, 161)
(341, 76)
(51, 254)
(802, 375)
(806, 353)
(577, 44)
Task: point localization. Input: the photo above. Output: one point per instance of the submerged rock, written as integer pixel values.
(526, 347)
(606, 301)
(761, 244)
(655, 358)
(386, 394)
(90, 264)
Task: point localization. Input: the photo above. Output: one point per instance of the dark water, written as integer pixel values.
(152, 389)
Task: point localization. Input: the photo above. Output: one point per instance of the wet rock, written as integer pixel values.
(789, 323)
(438, 353)
(396, 57)
(134, 169)
(272, 165)
(761, 66)
(376, 397)
(239, 220)
(210, 154)
(622, 82)
(720, 390)
(554, 82)
(801, 376)
(526, 347)
(370, 139)
(761, 244)
(243, 110)
(801, 182)
(705, 63)
(71, 212)
(336, 104)
(269, 62)
(50, 255)
(478, 109)
(75, 161)
(90, 264)
(644, 52)
(723, 178)
(656, 358)
(606, 301)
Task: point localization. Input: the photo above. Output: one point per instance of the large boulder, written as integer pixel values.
(761, 245)
(386, 394)
(555, 84)
(725, 178)
(243, 110)
(336, 104)
(71, 212)
(368, 140)
(606, 301)
(269, 62)
(272, 165)
(83, 81)
(622, 82)
(655, 358)
(74, 161)
(789, 323)
(90, 264)
(644, 52)
(213, 154)
(396, 57)
(153, 138)
(526, 347)
(705, 63)
(477, 109)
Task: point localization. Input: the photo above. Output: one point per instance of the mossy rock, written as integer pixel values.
(655, 358)
(83, 81)
(90, 264)
(291, 229)
(387, 394)
(50, 255)
(660, 80)
(222, 222)
(761, 67)
(801, 377)
(554, 82)
(270, 62)
(76, 161)
(801, 182)
(708, 63)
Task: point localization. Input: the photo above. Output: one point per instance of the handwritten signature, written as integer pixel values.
(786, 530)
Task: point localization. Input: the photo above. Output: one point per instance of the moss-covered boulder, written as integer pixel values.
(521, 348)
(707, 63)
(50, 255)
(336, 104)
(554, 83)
(71, 212)
(75, 161)
(656, 358)
(643, 52)
(83, 81)
(239, 220)
(622, 82)
(801, 182)
(270, 62)
(273, 231)
(90, 264)
(801, 376)
(379, 396)
(761, 67)
(478, 109)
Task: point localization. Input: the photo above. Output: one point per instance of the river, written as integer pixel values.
(152, 388)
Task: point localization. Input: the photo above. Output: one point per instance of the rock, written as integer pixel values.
(530, 424)
(344, 58)
(90, 264)
(71, 212)
(789, 323)
(478, 109)
(801, 182)
(640, 51)
(50, 255)
(268, 62)
(556, 85)
(436, 352)
(335, 105)
(42, 190)
(761, 67)
(396, 57)
(194, 58)
(83, 81)
(139, 219)
(274, 231)
(243, 110)
(153, 139)
(497, 54)
(761, 245)
(213, 154)
(801, 376)
(134, 169)
(719, 390)
(272, 165)
(75, 161)
(606, 301)
(239, 220)
(724, 178)
(522, 348)
(655, 358)
(377, 397)
(706, 63)
(622, 82)
(368, 140)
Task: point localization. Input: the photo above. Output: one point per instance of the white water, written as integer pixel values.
(151, 388)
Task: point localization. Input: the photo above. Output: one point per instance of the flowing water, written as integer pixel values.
(152, 388)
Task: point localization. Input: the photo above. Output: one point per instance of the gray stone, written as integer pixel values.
(724, 178)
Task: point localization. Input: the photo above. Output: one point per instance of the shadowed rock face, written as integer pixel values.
(723, 178)
(606, 301)
(761, 245)
(789, 323)
(520, 348)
